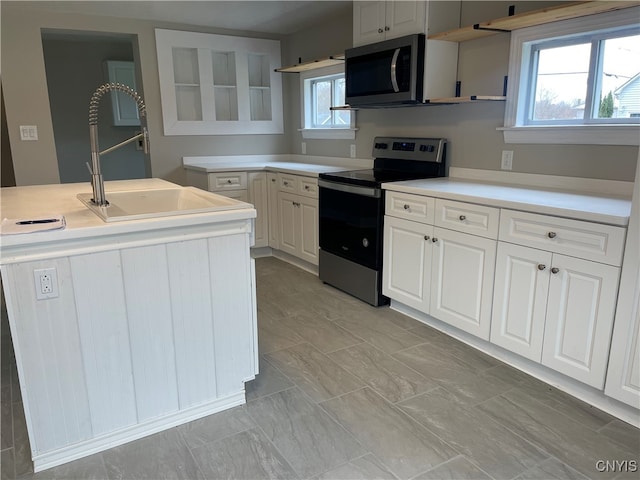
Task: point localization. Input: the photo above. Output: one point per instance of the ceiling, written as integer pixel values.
(278, 17)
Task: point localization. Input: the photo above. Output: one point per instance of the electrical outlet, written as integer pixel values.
(352, 151)
(507, 160)
(46, 283)
(304, 148)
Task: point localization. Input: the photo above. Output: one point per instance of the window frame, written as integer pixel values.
(307, 113)
(516, 128)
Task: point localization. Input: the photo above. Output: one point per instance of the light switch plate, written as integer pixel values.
(28, 132)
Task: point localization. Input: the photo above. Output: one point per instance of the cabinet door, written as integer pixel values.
(288, 214)
(462, 280)
(273, 222)
(308, 229)
(407, 262)
(404, 18)
(368, 22)
(258, 196)
(520, 299)
(580, 311)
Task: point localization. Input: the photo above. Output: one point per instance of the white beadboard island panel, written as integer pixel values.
(154, 324)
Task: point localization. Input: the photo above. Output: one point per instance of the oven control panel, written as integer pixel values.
(421, 149)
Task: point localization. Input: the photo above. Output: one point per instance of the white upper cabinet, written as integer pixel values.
(218, 84)
(378, 21)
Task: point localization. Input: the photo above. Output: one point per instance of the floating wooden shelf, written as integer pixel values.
(430, 102)
(530, 19)
(323, 62)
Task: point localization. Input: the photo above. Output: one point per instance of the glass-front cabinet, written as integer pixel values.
(218, 84)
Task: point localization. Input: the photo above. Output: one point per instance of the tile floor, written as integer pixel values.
(348, 391)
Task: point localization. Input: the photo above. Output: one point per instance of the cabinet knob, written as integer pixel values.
(406, 206)
(286, 184)
(386, 29)
(273, 179)
(541, 266)
(555, 270)
(229, 181)
(427, 237)
(306, 187)
(380, 30)
(434, 240)
(551, 234)
(462, 218)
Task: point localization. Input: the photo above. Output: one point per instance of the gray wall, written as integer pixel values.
(470, 128)
(74, 69)
(27, 102)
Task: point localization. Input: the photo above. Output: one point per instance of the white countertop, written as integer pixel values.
(576, 205)
(45, 201)
(306, 169)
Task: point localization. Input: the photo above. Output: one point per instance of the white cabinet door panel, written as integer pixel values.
(407, 262)
(258, 197)
(404, 18)
(580, 312)
(308, 229)
(287, 213)
(273, 217)
(462, 280)
(520, 299)
(368, 22)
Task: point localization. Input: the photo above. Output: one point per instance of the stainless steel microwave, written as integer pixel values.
(388, 72)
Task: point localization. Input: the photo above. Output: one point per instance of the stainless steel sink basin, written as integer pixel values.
(138, 204)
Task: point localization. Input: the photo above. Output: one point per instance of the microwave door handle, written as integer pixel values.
(394, 77)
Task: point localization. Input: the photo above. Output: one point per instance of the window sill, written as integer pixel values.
(574, 134)
(329, 133)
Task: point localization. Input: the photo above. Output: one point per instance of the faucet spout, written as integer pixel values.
(97, 181)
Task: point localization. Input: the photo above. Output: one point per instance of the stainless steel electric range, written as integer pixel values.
(351, 211)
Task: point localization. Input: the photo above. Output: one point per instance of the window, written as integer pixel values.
(576, 81)
(322, 89)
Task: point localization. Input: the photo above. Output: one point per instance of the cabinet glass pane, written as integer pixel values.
(226, 100)
(188, 103)
(224, 68)
(185, 66)
(259, 72)
(260, 102)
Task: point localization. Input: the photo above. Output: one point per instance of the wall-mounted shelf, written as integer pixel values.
(530, 19)
(430, 102)
(320, 63)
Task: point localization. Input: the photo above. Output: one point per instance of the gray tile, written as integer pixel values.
(315, 373)
(551, 469)
(216, 426)
(269, 380)
(459, 377)
(489, 445)
(7, 469)
(273, 335)
(323, 334)
(363, 468)
(6, 418)
(310, 440)
(458, 468)
(21, 446)
(582, 412)
(87, 468)
(507, 374)
(163, 455)
(386, 375)
(246, 455)
(624, 434)
(403, 445)
(569, 441)
(380, 333)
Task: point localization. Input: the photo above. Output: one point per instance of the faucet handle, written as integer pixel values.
(145, 140)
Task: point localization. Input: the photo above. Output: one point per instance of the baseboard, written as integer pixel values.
(285, 257)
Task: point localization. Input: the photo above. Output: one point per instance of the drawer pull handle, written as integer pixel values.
(551, 234)
(427, 237)
(555, 270)
(406, 206)
(434, 240)
(462, 218)
(541, 266)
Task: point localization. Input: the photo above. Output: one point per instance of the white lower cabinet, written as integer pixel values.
(462, 280)
(298, 217)
(258, 197)
(272, 216)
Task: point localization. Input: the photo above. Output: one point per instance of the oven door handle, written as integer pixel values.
(356, 189)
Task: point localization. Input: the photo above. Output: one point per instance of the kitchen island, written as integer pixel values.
(147, 323)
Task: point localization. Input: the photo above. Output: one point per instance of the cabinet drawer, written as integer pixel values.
(288, 183)
(591, 241)
(467, 218)
(241, 195)
(412, 207)
(308, 187)
(227, 181)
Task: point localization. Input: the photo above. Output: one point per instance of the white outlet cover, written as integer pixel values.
(507, 160)
(41, 294)
(352, 151)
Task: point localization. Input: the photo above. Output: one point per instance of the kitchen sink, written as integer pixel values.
(139, 204)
